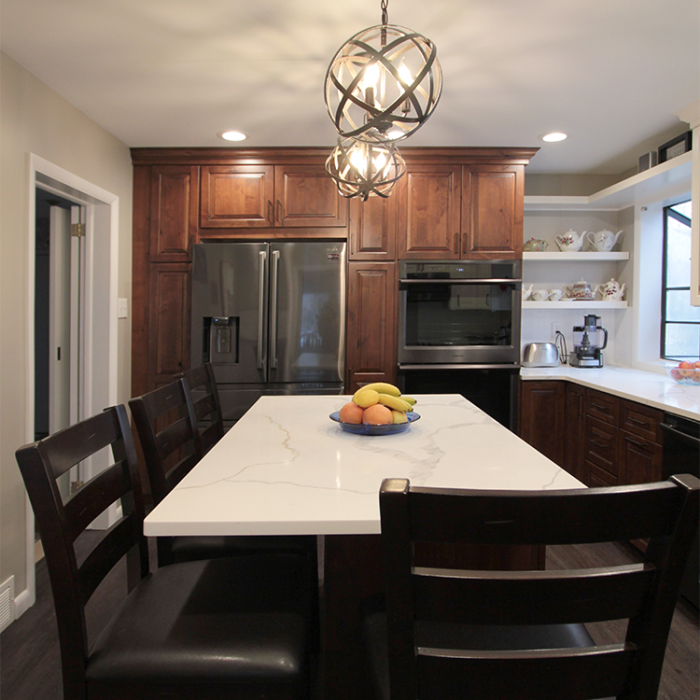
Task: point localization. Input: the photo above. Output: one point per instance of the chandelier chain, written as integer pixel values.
(385, 12)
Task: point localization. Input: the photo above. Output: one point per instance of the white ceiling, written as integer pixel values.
(610, 73)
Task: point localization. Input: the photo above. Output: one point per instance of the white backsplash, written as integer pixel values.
(537, 326)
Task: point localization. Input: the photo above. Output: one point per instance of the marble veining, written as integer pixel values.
(286, 468)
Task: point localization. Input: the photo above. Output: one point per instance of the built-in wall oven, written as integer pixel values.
(682, 456)
(459, 331)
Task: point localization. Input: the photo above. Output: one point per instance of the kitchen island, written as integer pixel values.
(287, 468)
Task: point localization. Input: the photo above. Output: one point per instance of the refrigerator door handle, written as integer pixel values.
(261, 309)
(273, 308)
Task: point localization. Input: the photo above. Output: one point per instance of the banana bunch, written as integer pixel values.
(386, 395)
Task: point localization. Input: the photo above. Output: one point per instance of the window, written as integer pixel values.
(680, 322)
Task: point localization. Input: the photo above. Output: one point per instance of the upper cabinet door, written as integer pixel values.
(429, 212)
(492, 211)
(173, 212)
(237, 196)
(305, 195)
(372, 228)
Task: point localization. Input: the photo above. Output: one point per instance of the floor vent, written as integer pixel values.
(7, 602)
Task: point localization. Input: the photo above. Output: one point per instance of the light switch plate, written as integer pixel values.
(122, 308)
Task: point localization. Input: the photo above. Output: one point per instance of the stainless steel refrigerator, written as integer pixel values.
(270, 317)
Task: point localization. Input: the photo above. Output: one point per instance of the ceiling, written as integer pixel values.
(610, 73)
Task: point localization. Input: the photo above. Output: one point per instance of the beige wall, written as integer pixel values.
(35, 119)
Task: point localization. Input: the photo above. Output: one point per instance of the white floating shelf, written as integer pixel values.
(578, 257)
(660, 181)
(553, 305)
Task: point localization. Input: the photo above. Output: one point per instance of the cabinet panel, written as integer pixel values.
(237, 196)
(574, 460)
(641, 461)
(306, 196)
(492, 211)
(169, 322)
(601, 445)
(372, 228)
(542, 417)
(371, 343)
(429, 212)
(173, 212)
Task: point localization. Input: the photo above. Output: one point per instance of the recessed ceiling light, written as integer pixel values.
(233, 136)
(553, 136)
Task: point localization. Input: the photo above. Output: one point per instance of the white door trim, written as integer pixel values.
(102, 219)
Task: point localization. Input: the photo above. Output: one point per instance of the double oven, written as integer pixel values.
(459, 331)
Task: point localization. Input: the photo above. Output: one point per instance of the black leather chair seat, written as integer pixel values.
(477, 637)
(211, 547)
(229, 620)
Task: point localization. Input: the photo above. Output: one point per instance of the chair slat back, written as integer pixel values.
(201, 386)
(41, 463)
(165, 423)
(643, 593)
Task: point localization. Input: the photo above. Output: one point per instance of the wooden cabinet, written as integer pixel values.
(574, 459)
(173, 212)
(266, 196)
(371, 336)
(492, 211)
(597, 437)
(542, 417)
(169, 322)
(429, 212)
(469, 212)
(372, 228)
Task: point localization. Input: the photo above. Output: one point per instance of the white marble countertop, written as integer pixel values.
(286, 468)
(650, 388)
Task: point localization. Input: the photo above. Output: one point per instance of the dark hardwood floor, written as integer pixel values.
(30, 666)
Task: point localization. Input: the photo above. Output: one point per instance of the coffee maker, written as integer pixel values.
(587, 343)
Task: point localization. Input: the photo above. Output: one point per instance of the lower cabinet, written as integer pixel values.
(599, 438)
(542, 417)
(371, 329)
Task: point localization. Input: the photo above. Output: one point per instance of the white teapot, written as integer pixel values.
(603, 241)
(569, 241)
(611, 291)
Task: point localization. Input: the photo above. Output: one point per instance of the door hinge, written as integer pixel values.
(77, 230)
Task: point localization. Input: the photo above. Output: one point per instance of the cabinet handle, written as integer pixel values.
(457, 242)
(636, 443)
(604, 445)
(605, 409)
(279, 212)
(641, 423)
(269, 212)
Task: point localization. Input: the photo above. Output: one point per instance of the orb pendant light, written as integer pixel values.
(365, 169)
(383, 83)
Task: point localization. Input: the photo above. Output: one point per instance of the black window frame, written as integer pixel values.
(670, 212)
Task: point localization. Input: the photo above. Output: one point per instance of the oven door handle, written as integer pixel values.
(503, 365)
(690, 439)
(462, 281)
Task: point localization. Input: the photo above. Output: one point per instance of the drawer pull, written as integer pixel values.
(604, 445)
(641, 423)
(599, 407)
(637, 443)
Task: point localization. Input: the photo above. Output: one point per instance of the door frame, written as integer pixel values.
(101, 268)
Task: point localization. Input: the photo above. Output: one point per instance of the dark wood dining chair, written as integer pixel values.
(502, 635)
(200, 384)
(165, 420)
(225, 628)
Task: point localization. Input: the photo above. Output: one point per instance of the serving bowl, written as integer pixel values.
(365, 429)
(687, 377)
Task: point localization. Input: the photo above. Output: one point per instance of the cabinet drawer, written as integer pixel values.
(601, 444)
(641, 420)
(598, 477)
(603, 406)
